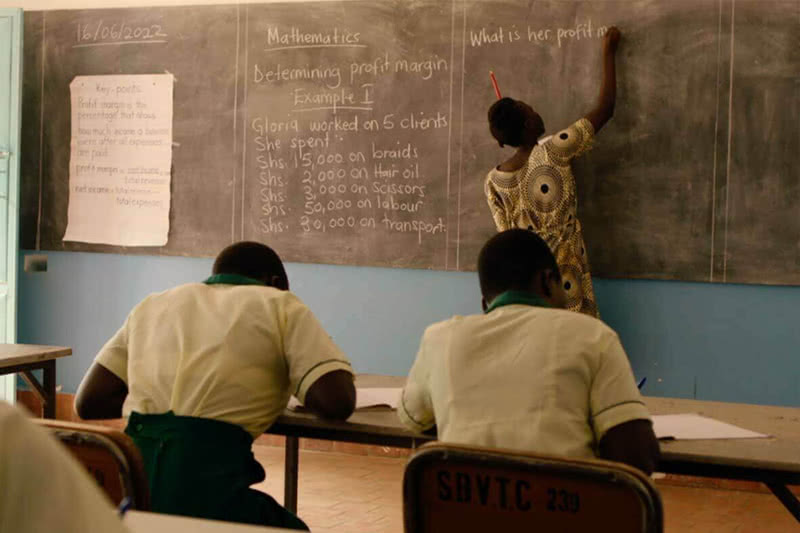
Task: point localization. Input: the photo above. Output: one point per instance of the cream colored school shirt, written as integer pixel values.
(42, 487)
(233, 353)
(523, 377)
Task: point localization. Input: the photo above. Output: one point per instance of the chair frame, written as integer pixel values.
(118, 445)
(567, 468)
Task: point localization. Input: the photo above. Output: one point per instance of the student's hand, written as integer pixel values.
(333, 395)
(632, 443)
(611, 40)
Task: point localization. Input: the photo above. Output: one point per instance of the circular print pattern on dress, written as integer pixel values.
(545, 189)
(530, 221)
(565, 142)
(589, 307)
(571, 281)
(504, 180)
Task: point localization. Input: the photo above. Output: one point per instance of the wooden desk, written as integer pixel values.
(24, 358)
(142, 522)
(774, 461)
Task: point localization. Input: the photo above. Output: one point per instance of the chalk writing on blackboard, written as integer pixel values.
(104, 33)
(558, 36)
(315, 139)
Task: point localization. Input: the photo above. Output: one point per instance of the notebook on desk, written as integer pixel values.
(372, 398)
(692, 426)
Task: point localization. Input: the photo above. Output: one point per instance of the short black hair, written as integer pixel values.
(251, 259)
(507, 122)
(511, 260)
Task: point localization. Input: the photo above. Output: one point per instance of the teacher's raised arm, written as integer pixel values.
(604, 109)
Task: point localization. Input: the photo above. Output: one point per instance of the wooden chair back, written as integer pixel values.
(467, 489)
(110, 456)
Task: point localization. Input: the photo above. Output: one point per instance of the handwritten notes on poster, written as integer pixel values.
(120, 159)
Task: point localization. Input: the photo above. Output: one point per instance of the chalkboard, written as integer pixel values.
(355, 132)
(645, 190)
(200, 51)
(761, 237)
(345, 143)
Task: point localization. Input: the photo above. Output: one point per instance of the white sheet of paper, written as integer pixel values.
(120, 159)
(366, 398)
(376, 397)
(693, 426)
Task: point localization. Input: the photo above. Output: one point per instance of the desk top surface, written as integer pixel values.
(779, 452)
(21, 354)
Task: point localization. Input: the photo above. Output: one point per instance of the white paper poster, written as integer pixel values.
(120, 159)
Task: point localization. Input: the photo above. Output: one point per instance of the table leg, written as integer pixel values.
(290, 473)
(787, 498)
(49, 383)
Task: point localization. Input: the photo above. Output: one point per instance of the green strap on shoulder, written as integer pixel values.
(232, 279)
(517, 297)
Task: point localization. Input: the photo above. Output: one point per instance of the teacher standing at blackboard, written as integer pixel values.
(535, 189)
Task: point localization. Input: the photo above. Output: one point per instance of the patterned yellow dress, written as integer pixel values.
(541, 197)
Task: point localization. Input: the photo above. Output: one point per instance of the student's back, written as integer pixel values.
(202, 369)
(528, 374)
(520, 376)
(217, 351)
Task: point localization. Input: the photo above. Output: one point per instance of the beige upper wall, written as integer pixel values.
(88, 4)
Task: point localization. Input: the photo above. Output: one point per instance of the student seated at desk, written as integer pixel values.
(528, 374)
(42, 487)
(202, 369)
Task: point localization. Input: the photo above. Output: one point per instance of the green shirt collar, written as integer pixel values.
(517, 297)
(232, 279)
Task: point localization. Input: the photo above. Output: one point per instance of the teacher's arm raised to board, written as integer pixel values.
(604, 109)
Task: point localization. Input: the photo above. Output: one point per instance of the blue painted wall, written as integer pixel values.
(713, 342)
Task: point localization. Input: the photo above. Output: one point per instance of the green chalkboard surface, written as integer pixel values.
(355, 132)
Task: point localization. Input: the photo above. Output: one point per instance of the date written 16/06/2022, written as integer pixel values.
(100, 31)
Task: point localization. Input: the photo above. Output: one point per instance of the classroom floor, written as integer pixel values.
(342, 493)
